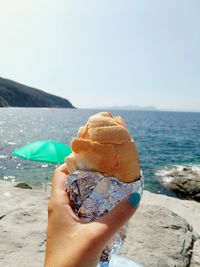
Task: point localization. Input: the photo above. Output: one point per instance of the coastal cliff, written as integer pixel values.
(14, 94)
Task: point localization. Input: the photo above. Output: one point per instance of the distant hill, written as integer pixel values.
(130, 107)
(18, 95)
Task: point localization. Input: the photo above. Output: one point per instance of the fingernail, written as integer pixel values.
(134, 199)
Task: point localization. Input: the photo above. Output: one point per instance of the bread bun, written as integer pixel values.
(105, 145)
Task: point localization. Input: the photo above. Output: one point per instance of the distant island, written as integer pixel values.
(129, 107)
(13, 94)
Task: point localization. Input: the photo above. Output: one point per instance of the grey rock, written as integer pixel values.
(195, 260)
(2, 216)
(23, 186)
(185, 183)
(158, 237)
(23, 228)
(197, 197)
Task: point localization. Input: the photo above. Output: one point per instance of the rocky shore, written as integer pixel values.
(184, 181)
(164, 232)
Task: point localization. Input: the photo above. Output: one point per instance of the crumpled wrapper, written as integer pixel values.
(92, 195)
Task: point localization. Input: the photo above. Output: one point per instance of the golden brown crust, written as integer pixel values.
(105, 145)
(109, 135)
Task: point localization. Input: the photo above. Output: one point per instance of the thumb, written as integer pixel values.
(117, 217)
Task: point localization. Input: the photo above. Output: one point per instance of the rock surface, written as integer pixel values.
(195, 260)
(185, 182)
(159, 237)
(23, 225)
(23, 186)
(156, 235)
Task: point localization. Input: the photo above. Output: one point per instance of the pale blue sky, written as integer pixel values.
(105, 52)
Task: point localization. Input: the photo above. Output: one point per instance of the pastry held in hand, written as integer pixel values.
(104, 145)
(92, 195)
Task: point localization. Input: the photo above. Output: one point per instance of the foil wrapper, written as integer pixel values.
(92, 195)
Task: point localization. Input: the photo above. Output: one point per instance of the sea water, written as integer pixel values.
(164, 139)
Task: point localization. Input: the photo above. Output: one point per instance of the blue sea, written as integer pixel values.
(164, 140)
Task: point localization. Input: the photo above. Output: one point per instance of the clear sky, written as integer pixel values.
(105, 52)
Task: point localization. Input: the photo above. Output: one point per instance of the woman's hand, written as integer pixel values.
(72, 243)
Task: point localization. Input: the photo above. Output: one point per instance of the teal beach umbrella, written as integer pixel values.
(44, 151)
